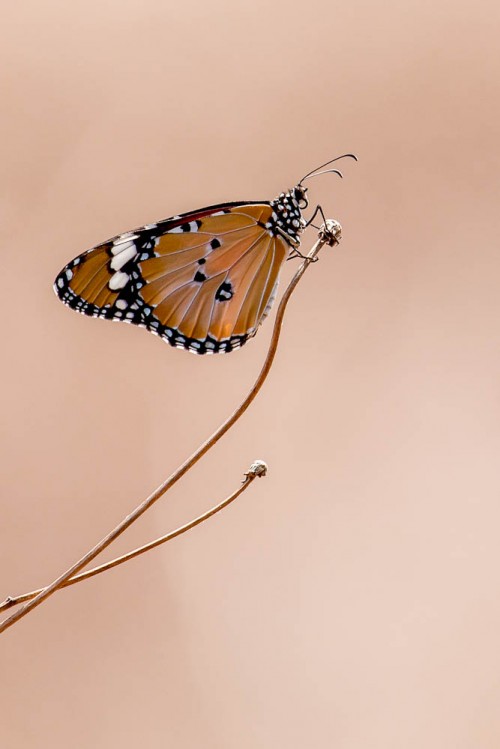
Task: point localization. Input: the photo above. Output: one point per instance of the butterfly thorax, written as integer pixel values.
(287, 214)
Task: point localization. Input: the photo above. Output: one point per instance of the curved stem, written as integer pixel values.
(11, 601)
(324, 238)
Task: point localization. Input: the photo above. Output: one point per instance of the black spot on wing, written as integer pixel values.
(191, 226)
(224, 292)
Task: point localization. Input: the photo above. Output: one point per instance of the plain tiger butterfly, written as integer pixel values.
(203, 281)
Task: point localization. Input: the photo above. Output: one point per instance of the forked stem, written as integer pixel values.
(325, 237)
(256, 469)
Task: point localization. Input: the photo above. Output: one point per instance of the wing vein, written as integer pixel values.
(248, 290)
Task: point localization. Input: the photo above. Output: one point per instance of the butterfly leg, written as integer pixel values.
(294, 254)
(319, 210)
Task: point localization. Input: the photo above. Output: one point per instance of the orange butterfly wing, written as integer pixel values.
(203, 281)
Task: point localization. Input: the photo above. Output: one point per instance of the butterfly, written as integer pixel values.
(203, 281)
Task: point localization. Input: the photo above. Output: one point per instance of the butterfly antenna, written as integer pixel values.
(326, 171)
(327, 163)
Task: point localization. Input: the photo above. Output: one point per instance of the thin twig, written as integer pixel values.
(256, 469)
(325, 237)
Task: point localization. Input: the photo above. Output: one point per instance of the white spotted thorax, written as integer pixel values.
(287, 214)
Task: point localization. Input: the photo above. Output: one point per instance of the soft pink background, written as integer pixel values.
(352, 598)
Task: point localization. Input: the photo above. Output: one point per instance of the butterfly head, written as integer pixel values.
(299, 193)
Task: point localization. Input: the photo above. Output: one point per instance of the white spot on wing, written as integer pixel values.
(118, 281)
(120, 259)
(120, 245)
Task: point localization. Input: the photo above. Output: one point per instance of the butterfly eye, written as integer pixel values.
(300, 196)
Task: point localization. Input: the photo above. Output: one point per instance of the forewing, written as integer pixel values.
(203, 281)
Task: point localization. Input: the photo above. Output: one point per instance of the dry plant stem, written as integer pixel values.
(15, 600)
(189, 463)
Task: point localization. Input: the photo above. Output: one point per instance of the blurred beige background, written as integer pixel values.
(352, 598)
